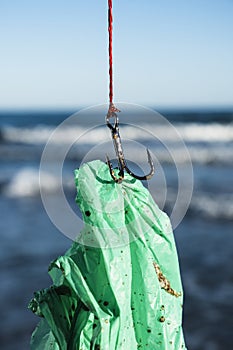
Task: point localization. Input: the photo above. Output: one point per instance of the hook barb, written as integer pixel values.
(112, 172)
(149, 175)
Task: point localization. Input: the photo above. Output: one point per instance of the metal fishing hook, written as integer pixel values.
(112, 113)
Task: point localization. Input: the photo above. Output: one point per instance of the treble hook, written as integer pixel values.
(119, 150)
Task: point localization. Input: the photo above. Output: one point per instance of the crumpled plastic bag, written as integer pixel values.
(118, 286)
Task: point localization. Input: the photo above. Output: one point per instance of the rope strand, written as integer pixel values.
(110, 20)
(112, 108)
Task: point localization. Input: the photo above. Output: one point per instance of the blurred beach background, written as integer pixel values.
(174, 57)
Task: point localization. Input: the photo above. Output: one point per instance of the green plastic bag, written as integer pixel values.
(118, 286)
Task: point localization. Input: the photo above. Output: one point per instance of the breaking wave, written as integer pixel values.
(25, 183)
(189, 132)
(206, 143)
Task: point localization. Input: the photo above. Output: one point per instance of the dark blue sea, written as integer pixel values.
(203, 228)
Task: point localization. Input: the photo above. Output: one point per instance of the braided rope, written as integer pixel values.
(110, 20)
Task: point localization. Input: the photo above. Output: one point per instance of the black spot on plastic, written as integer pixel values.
(87, 213)
(85, 308)
(149, 330)
(106, 303)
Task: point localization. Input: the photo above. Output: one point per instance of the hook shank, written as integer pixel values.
(119, 150)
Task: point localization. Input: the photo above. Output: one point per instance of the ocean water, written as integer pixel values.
(29, 240)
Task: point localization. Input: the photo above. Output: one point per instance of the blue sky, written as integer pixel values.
(166, 53)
